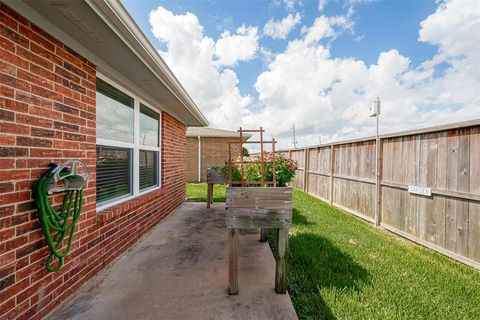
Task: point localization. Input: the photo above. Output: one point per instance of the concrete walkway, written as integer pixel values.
(179, 271)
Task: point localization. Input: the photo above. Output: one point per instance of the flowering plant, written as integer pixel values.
(285, 168)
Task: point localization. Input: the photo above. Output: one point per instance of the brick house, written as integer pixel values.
(78, 79)
(212, 146)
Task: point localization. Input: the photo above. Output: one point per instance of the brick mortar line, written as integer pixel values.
(48, 128)
(29, 61)
(45, 117)
(54, 52)
(36, 33)
(47, 99)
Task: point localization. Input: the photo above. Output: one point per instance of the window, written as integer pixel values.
(113, 172)
(149, 142)
(149, 127)
(128, 145)
(148, 169)
(114, 113)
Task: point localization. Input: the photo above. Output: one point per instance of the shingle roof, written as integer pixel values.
(214, 133)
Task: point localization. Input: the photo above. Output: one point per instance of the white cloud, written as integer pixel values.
(327, 27)
(322, 4)
(195, 60)
(241, 46)
(325, 95)
(452, 27)
(330, 96)
(281, 29)
(266, 55)
(289, 5)
(359, 38)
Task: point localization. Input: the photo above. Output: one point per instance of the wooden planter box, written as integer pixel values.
(267, 208)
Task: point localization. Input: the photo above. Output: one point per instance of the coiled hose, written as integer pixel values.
(56, 226)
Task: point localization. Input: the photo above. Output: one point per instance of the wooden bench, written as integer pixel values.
(252, 208)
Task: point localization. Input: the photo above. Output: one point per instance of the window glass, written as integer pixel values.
(149, 127)
(148, 169)
(114, 113)
(113, 173)
(121, 172)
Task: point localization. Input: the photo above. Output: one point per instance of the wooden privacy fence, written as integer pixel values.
(445, 159)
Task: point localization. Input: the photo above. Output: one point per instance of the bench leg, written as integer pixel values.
(281, 261)
(232, 261)
(209, 195)
(263, 235)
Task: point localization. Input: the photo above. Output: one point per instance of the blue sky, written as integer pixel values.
(380, 26)
(410, 66)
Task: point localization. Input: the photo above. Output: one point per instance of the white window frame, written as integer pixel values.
(146, 147)
(135, 147)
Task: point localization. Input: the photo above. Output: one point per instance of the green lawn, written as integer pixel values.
(341, 267)
(198, 192)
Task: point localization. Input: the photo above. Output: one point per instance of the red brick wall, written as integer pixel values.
(47, 114)
(192, 159)
(214, 154)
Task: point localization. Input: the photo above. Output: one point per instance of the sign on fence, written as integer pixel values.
(424, 191)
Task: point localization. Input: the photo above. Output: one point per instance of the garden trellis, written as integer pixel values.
(244, 162)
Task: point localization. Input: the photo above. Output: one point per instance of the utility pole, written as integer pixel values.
(294, 138)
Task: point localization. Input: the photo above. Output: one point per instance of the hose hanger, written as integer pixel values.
(69, 176)
(59, 227)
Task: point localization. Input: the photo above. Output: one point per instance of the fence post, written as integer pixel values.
(306, 164)
(378, 182)
(332, 166)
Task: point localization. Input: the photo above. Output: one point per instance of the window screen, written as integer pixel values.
(148, 169)
(113, 172)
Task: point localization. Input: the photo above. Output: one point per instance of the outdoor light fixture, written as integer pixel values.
(375, 108)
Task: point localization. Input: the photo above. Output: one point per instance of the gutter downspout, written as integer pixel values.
(199, 159)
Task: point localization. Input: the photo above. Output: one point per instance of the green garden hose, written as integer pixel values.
(57, 226)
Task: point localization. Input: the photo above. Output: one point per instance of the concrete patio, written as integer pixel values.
(179, 271)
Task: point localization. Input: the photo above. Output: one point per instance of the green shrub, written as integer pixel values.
(285, 169)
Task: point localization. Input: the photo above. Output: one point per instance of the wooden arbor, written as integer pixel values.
(257, 207)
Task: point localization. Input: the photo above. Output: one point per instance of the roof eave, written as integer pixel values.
(216, 136)
(113, 12)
